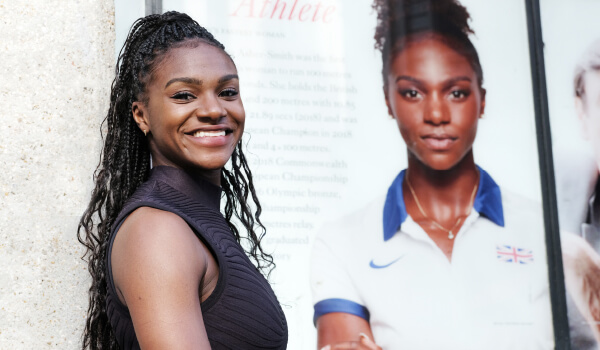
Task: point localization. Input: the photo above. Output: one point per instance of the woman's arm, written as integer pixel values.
(158, 265)
(341, 330)
(582, 278)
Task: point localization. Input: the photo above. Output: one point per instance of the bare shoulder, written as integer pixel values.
(158, 245)
(158, 266)
(147, 226)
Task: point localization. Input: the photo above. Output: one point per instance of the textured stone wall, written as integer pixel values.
(56, 59)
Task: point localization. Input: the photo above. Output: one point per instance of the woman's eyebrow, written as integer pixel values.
(228, 77)
(186, 80)
(457, 79)
(409, 78)
(195, 81)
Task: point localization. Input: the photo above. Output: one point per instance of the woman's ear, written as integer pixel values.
(482, 108)
(387, 103)
(140, 115)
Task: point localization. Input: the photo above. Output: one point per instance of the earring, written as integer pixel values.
(481, 116)
(145, 132)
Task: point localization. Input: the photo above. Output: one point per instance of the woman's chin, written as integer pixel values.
(442, 161)
(438, 163)
(208, 165)
(201, 165)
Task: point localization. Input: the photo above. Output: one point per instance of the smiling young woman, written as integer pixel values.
(193, 114)
(168, 270)
(456, 263)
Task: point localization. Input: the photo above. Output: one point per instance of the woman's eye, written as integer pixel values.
(184, 96)
(229, 93)
(459, 94)
(411, 94)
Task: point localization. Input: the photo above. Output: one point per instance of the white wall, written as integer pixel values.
(56, 70)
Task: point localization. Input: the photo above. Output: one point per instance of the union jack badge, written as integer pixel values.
(511, 254)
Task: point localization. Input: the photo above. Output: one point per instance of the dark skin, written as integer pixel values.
(434, 95)
(438, 190)
(194, 117)
(188, 96)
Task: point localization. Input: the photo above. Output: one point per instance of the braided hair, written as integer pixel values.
(399, 21)
(125, 162)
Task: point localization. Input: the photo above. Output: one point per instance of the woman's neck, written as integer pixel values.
(211, 175)
(443, 194)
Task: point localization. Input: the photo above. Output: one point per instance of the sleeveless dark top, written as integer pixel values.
(242, 312)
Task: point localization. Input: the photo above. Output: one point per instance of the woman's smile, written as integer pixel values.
(211, 136)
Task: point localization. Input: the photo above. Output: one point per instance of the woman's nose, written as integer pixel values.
(211, 107)
(436, 112)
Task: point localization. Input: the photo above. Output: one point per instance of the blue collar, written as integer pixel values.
(488, 202)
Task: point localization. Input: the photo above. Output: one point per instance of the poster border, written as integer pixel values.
(544, 140)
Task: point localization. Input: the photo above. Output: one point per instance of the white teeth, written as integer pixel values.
(209, 133)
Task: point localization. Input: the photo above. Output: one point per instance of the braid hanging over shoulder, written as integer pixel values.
(125, 162)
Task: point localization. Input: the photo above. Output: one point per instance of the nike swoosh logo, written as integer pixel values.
(375, 266)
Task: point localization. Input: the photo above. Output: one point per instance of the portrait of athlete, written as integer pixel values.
(447, 259)
(167, 267)
(578, 193)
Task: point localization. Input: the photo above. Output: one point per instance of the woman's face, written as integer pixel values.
(433, 94)
(194, 113)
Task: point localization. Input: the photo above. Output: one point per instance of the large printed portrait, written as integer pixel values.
(393, 147)
(572, 56)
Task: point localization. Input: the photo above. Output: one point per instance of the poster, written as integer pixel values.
(572, 59)
(320, 142)
(311, 88)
